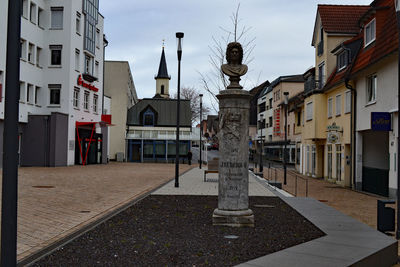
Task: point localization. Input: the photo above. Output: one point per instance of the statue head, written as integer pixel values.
(234, 53)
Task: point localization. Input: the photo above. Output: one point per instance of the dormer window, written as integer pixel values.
(148, 118)
(369, 34)
(342, 60)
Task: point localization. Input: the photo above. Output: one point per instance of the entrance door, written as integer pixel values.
(375, 171)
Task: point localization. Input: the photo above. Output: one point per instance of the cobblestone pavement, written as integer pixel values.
(56, 202)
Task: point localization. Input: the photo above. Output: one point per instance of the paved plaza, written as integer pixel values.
(54, 203)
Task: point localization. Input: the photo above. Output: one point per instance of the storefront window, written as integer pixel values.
(339, 162)
(160, 150)
(148, 150)
(313, 160)
(329, 161)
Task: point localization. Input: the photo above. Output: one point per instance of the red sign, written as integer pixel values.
(87, 85)
(106, 118)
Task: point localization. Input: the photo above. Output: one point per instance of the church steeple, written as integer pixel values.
(162, 69)
(162, 78)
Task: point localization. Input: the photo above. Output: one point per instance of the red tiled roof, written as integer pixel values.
(386, 40)
(385, 43)
(341, 18)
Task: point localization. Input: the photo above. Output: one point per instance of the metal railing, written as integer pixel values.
(272, 174)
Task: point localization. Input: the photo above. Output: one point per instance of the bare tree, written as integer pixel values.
(190, 93)
(215, 80)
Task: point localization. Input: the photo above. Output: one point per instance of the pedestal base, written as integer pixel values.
(240, 218)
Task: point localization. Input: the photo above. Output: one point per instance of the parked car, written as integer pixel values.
(208, 146)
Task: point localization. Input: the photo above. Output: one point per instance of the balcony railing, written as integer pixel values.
(320, 48)
(312, 84)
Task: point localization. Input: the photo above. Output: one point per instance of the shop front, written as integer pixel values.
(88, 144)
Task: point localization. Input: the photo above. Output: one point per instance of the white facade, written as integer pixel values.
(370, 152)
(48, 27)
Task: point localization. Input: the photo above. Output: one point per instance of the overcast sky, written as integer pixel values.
(283, 30)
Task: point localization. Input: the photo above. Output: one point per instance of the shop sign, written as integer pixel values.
(87, 85)
(381, 121)
(333, 138)
(333, 127)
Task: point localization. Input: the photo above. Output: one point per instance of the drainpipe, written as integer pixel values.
(352, 130)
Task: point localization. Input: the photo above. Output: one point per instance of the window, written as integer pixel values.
(347, 108)
(91, 11)
(371, 88)
(40, 17)
(369, 34)
(309, 111)
(95, 103)
(29, 93)
(76, 97)
(298, 118)
(31, 53)
(329, 161)
(21, 91)
(339, 162)
(55, 92)
(162, 89)
(338, 105)
(38, 56)
(86, 100)
(270, 103)
(77, 59)
(56, 55)
(330, 106)
(57, 18)
(96, 69)
(97, 38)
(32, 12)
(37, 94)
(88, 64)
(288, 130)
(23, 49)
(313, 160)
(148, 118)
(321, 75)
(78, 23)
(25, 8)
(342, 60)
(270, 121)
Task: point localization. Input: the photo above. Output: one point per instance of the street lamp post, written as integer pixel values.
(261, 143)
(286, 94)
(201, 118)
(10, 142)
(397, 2)
(179, 36)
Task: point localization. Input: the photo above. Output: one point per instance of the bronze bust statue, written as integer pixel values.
(234, 69)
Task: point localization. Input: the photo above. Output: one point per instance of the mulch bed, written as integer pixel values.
(178, 231)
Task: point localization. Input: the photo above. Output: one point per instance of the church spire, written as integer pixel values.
(162, 78)
(162, 69)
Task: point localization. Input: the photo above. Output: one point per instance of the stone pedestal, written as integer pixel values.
(233, 183)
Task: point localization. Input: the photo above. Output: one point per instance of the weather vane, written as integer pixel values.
(163, 43)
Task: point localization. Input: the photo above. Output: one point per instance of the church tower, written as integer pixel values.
(162, 78)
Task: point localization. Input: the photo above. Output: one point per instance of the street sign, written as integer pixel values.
(381, 121)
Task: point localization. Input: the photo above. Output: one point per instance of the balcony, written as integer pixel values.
(311, 84)
(320, 48)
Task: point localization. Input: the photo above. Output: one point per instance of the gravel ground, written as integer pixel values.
(178, 231)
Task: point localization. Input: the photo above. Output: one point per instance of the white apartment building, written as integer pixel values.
(61, 82)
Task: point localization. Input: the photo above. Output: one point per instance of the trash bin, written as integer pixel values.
(386, 216)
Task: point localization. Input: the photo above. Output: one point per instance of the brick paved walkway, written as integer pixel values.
(55, 202)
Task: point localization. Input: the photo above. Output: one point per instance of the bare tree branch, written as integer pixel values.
(217, 81)
(192, 94)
